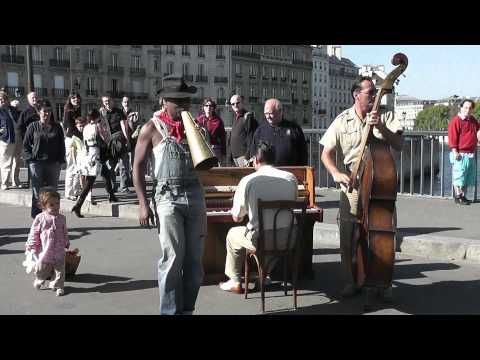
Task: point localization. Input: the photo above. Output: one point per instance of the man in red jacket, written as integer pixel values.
(463, 136)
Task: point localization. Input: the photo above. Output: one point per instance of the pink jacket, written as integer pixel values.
(48, 237)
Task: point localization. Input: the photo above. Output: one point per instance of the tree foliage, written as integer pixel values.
(433, 118)
(476, 111)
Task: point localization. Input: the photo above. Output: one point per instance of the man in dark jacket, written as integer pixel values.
(285, 136)
(29, 115)
(114, 117)
(243, 128)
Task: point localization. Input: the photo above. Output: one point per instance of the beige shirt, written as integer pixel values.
(345, 132)
(267, 183)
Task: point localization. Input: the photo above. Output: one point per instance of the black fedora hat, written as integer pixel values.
(174, 86)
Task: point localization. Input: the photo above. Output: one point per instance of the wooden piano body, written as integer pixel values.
(220, 184)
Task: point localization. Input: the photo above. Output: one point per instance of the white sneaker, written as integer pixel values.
(60, 292)
(37, 284)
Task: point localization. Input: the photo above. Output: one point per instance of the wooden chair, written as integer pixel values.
(292, 248)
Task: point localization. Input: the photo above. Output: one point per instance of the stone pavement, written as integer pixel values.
(427, 227)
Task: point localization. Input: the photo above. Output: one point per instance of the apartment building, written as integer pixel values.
(320, 87)
(259, 72)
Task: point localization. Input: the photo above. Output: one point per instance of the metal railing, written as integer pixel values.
(426, 174)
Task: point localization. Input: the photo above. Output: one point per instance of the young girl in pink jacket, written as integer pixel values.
(47, 240)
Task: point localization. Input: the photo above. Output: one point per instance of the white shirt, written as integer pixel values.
(267, 183)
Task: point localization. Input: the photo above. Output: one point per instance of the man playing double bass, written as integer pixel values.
(345, 134)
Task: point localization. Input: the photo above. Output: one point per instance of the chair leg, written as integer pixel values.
(294, 285)
(246, 274)
(285, 263)
(262, 287)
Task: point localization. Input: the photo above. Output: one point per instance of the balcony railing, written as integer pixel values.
(115, 69)
(60, 93)
(264, 77)
(220, 57)
(201, 55)
(201, 78)
(41, 91)
(252, 76)
(11, 91)
(13, 59)
(283, 79)
(305, 82)
(274, 78)
(220, 79)
(137, 71)
(90, 66)
(37, 62)
(238, 76)
(294, 81)
(115, 94)
(245, 54)
(185, 53)
(304, 63)
(91, 92)
(138, 96)
(188, 77)
(170, 52)
(60, 63)
(252, 99)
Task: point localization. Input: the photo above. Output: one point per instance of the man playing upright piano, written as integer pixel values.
(267, 183)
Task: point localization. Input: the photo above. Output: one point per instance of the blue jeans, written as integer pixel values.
(182, 221)
(43, 173)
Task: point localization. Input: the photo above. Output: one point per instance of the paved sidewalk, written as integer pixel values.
(427, 227)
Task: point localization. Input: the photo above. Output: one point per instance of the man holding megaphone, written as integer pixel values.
(179, 202)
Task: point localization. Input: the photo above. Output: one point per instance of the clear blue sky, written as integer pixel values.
(433, 72)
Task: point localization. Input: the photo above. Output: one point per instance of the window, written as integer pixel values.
(77, 55)
(220, 51)
(185, 69)
(36, 54)
(236, 47)
(265, 93)
(303, 76)
(253, 70)
(156, 64)
(77, 83)
(276, 51)
(136, 61)
(274, 92)
(59, 54)
(114, 60)
(170, 68)
(283, 92)
(170, 50)
(238, 69)
(12, 50)
(185, 50)
(90, 84)
(59, 82)
(115, 86)
(274, 73)
(265, 71)
(294, 55)
(201, 51)
(201, 92)
(293, 75)
(252, 91)
(220, 93)
(91, 57)
(252, 49)
(238, 90)
(12, 79)
(201, 69)
(37, 80)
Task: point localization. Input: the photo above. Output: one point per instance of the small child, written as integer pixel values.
(47, 240)
(73, 149)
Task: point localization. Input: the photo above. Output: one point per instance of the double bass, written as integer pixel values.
(374, 175)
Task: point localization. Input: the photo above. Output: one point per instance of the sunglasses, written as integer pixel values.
(235, 103)
(208, 105)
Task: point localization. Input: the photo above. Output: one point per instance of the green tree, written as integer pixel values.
(476, 111)
(433, 118)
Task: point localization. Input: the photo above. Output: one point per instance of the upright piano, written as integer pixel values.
(220, 184)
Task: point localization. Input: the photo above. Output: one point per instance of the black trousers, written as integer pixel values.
(105, 173)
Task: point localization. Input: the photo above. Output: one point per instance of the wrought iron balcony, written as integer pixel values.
(138, 95)
(60, 93)
(89, 66)
(41, 91)
(238, 76)
(274, 78)
(201, 78)
(13, 59)
(220, 57)
(12, 89)
(245, 54)
(115, 69)
(283, 79)
(37, 62)
(294, 81)
(170, 52)
(115, 94)
(137, 71)
(305, 82)
(252, 76)
(60, 63)
(220, 79)
(91, 92)
(188, 77)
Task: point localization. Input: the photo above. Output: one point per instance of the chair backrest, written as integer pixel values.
(294, 207)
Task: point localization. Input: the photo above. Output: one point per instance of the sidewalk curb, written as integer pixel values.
(427, 246)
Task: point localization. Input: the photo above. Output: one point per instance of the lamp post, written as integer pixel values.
(30, 84)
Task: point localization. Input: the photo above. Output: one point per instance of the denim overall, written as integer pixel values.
(180, 209)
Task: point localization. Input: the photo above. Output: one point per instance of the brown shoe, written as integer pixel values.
(231, 286)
